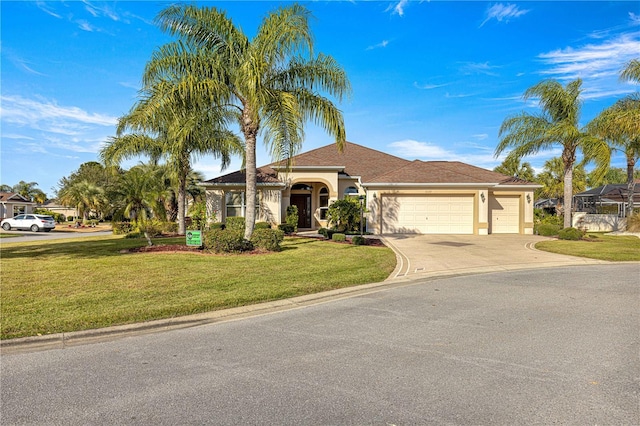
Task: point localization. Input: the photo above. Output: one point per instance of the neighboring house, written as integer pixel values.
(13, 204)
(610, 198)
(401, 196)
(58, 208)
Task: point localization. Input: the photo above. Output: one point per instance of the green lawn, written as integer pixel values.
(64, 285)
(597, 246)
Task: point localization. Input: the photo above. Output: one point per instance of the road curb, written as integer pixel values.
(84, 337)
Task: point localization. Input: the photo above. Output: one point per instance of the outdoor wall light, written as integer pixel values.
(482, 196)
(529, 198)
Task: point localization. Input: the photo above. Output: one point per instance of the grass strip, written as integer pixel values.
(63, 286)
(597, 246)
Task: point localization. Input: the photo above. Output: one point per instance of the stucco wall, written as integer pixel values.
(598, 222)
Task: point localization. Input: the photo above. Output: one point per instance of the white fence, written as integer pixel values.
(598, 222)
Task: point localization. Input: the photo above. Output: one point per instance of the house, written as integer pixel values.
(66, 211)
(401, 196)
(610, 198)
(13, 204)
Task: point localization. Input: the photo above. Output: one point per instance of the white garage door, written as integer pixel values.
(427, 214)
(504, 215)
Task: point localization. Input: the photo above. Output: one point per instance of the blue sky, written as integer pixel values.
(431, 80)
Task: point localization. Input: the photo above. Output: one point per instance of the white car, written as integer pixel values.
(34, 222)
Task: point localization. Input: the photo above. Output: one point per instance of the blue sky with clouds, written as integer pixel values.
(431, 80)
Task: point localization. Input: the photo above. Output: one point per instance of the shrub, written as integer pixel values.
(286, 228)
(120, 228)
(235, 223)
(292, 217)
(570, 234)
(547, 230)
(267, 239)
(217, 225)
(150, 227)
(338, 237)
(58, 217)
(226, 241)
(198, 215)
(169, 227)
(633, 223)
(70, 218)
(262, 225)
(345, 214)
(323, 232)
(358, 241)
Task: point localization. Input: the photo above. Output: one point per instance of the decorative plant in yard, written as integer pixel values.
(344, 214)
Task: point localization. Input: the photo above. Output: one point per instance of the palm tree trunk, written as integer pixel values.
(181, 205)
(631, 162)
(568, 194)
(251, 190)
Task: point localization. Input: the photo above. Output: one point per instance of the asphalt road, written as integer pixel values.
(544, 346)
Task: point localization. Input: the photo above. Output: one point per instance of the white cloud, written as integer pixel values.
(45, 7)
(503, 12)
(18, 110)
(428, 86)
(398, 8)
(85, 26)
(598, 64)
(481, 136)
(479, 68)
(382, 44)
(592, 60)
(410, 148)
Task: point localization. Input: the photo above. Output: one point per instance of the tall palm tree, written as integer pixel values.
(619, 125)
(272, 84)
(165, 123)
(556, 124)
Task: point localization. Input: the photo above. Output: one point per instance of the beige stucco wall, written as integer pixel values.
(270, 200)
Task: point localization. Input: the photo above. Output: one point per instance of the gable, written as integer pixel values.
(9, 197)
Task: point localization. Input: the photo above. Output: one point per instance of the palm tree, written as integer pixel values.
(6, 188)
(29, 190)
(84, 196)
(271, 84)
(513, 167)
(165, 123)
(141, 192)
(556, 124)
(619, 125)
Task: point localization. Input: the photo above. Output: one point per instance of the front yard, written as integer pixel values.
(63, 286)
(597, 246)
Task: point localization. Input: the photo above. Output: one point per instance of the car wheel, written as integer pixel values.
(35, 228)
(6, 226)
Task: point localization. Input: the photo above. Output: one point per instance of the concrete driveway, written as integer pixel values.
(439, 255)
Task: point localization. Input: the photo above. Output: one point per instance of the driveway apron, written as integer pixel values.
(463, 254)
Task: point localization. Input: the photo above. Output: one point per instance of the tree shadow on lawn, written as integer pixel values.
(84, 249)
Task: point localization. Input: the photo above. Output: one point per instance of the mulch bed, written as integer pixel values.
(170, 248)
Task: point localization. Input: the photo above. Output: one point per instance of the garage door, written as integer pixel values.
(504, 215)
(427, 214)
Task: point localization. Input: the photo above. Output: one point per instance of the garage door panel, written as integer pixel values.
(504, 214)
(427, 214)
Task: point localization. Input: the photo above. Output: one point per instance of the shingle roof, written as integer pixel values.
(441, 172)
(265, 175)
(356, 159)
(377, 167)
(13, 196)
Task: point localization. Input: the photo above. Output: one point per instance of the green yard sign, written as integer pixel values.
(194, 238)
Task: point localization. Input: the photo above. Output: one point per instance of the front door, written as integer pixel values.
(303, 202)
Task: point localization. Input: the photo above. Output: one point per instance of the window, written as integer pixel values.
(351, 191)
(235, 204)
(19, 210)
(324, 203)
